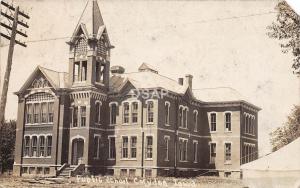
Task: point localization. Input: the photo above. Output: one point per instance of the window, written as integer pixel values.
(183, 149)
(83, 116)
(26, 145)
(213, 152)
(227, 152)
(49, 145)
(44, 112)
(29, 113)
(24, 170)
(100, 69)
(133, 147)
(149, 147)
(134, 112)
(131, 172)
(195, 120)
(125, 147)
(213, 122)
(98, 112)
(180, 116)
(123, 172)
(39, 170)
(195, 149)
(50, 112)
(227, 121)
(185, 119)
(126, 112)
(167, 148)
(76, 71)
(31, 170)
(113, 114)
(34, 146)
(148, 173)
(46, 170)
(150, 112)
(36, 112)
(97, 146)
(41, 146)
(83, 71)
(167, 113)
(75, 116)
(112, 148)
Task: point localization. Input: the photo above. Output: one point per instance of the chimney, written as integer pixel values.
(180, 81)
(189, 80)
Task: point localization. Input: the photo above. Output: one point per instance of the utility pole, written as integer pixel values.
(12, 14)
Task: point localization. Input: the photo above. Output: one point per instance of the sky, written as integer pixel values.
(221, 43)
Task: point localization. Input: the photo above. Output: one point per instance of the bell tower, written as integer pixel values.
(89, 60)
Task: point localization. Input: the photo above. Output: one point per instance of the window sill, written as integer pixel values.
(150, 123)
(111, 159)
(185, 128)
(228, 131)
(167, 125)
(183, 161)
(149, 159)
(99, 124)
(228, 163)
(195, 162)
(78, 127)
(34, 157)
(128, 159)
(39, 124)
(167, 160)
(125, 124)
(213, 132)
(99, 83)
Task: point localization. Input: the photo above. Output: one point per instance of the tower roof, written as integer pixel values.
(91, 21)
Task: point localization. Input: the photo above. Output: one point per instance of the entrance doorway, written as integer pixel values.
(77, 151)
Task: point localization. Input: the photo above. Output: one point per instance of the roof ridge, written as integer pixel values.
(154, 74)
(51, 69)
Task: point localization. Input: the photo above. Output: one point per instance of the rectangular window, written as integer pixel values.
(184, 157)
(150, 112)
(84, 71)
(126, 113)
(167, 148)
(123, 172)
(227, 152)
(36, 112)
(75, 116)
(149, 147)
(50, 112)
(228, 122)
(167, 114)
(41, 146)
(213, 122)
(133, 146)
(97, 147)
(148, 173)
(76, 72)
(83, 116)
(195, 119)
(180, 117)
(29, 113)
(44, 112)
(98, 71)
(125, 147)
(131, 172)
(49, 145)
(195, 149)
(39, 170)
(112, 147)
(134, 112)
(98, 111)
(26, 145)
(46, 170)
(113, 114)
(185, 112)
(34, 146)
(213, 153)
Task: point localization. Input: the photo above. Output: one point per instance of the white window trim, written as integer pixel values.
(210, 161)
(196, 124)
(224, 115)
(109, 147)
(98, 144)
(169, 105)
(145, 146)
(166, 137)
(117, 105)
(129, 113)
(154, 119)
(195, 152)
(186, 154)
(231, 147)
(99, 115)
(209, 120)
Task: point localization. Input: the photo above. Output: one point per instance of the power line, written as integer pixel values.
(170, 25)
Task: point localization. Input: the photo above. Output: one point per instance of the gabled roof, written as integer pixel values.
(146, 80)
(147, 67)
(58, 80)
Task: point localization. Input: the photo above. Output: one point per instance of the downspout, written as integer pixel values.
(142, 125)
(175, 136)
(57, 134)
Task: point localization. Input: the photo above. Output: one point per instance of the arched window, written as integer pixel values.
(150, 112)
(181, 116)
(126, 112)
(113, 113)
(167, 113)
(26, 145)
(34, 146)
(39, 108)
(41, 146)
(195, 120)
(49, 145)
(98, 112)
(134, 112)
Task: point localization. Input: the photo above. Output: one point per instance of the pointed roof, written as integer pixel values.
(147, 67)
(91, 21)
(58, 80)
